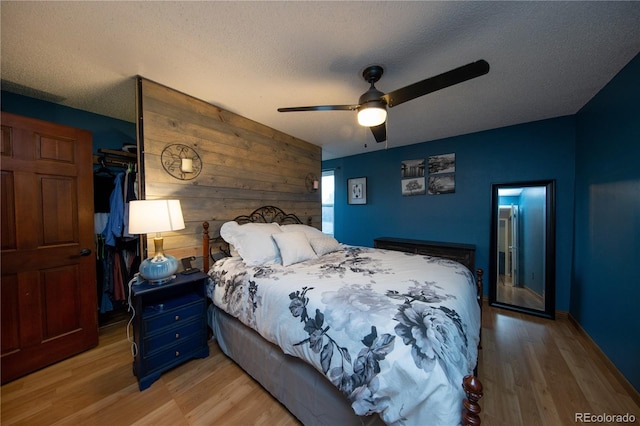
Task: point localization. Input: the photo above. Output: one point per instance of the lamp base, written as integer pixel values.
(159, 269)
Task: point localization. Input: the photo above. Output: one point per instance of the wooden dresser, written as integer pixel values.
(463, 253)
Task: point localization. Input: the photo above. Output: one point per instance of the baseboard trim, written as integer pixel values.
(562, 314)
(633, 393)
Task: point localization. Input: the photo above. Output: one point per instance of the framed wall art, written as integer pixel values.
(357, 190)
(442, 176)
(413, 181)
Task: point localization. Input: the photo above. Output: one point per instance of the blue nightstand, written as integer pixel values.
(170, 325)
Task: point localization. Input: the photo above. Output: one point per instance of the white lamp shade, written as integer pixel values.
(147, 216)
(371, 116)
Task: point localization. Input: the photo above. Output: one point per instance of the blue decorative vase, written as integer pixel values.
(160, 268)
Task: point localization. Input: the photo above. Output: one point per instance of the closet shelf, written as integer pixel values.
(112, 157)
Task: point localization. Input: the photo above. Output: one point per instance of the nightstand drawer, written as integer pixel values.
(173, 355)
(172, 336)
(154, 322)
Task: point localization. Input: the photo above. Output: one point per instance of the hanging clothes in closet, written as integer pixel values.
(117, 251)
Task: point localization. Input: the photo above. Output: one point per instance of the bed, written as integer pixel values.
(343, 334)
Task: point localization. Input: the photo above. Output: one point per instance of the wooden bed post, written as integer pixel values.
(473, 390)
(205, 247)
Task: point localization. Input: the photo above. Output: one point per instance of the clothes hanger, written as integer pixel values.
(103, 170)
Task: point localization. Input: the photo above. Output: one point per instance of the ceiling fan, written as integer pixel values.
(372, 105)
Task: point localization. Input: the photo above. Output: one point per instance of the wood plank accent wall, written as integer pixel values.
(245, 165)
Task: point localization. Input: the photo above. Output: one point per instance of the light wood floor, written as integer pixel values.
(534, 371)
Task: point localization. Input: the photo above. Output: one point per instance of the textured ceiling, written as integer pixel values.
(547, 59)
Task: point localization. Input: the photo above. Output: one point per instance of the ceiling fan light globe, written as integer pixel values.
(371, 116)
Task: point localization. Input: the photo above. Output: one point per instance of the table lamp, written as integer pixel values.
(147, 216)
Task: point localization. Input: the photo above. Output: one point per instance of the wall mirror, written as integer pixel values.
(522, 253)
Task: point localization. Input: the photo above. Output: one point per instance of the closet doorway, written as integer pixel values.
(48, 294)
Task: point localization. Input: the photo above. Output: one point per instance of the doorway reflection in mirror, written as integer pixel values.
(522, 222)
(512, 287)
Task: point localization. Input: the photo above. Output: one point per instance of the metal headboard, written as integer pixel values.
(269, 214)
(212, 247)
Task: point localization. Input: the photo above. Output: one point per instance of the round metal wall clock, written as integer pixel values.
(181, 161)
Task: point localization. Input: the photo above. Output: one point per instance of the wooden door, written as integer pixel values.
(48, 288)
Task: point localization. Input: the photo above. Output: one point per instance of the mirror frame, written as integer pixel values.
(550, 249)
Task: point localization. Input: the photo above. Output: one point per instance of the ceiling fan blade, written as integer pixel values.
(441, 81)
(379, 132)
(320, 108)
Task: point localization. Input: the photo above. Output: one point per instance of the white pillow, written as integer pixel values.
(294, 247)
(309, 231)
(324, 245)
(253, 241)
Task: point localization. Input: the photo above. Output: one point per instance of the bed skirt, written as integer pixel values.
(306, 393)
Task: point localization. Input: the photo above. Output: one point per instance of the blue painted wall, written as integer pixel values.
(605, 294)
(107, 132)
(532, 151)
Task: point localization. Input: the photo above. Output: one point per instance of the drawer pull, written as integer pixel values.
(177, 335)
(177, 353)
(177, 317)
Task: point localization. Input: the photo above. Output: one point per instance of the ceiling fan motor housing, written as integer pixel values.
(372, 108)
(372, 98)
(372, 95)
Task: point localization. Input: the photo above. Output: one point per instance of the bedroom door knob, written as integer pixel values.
(85, 252)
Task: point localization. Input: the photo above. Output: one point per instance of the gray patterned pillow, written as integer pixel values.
(324, 245)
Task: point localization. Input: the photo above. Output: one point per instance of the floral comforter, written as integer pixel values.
(395, 332)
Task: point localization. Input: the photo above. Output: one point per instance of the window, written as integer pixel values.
(328, 180)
